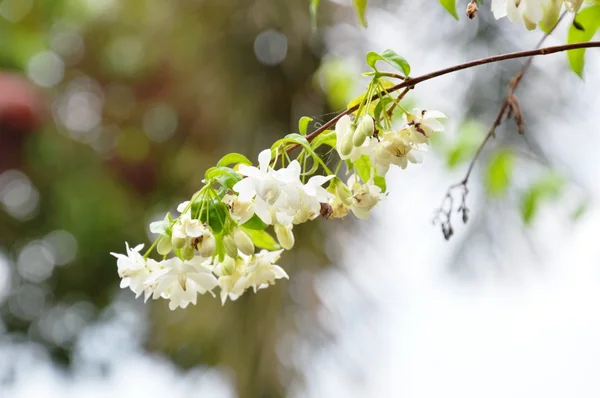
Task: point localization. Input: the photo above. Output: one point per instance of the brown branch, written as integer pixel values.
(414, 81)
(510, 107)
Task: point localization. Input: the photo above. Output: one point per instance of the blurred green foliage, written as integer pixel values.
(141, 98)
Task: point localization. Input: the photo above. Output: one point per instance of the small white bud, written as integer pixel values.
(188, 252)
(285, 236)
(207, 246)
(347, 145)
(230, 247)
(228, 266)
(358, 138)
(366, 126)
(178, 243)
(164, 245)
(243, 242)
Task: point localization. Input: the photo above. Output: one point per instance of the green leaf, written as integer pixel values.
(314, 7)
(363, 167)
(529, 206)
(380, 182)
(233, 158)
(547, 187)
(361, 7)
(390, 57)
(326, 138)
(303, 124)
(214, 172)
(499, 171)
(450, 6)
(254, 223)
(583, 28)
(464, 147)
(262, 239)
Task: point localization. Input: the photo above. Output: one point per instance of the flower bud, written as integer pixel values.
(243, 242)
(347, 145)
(285, 236)
(227, 267)
(230, 247)
(207, 245)
(366, 126)
(358, 138)
(188, 252)
(178, 242)
(164, 245)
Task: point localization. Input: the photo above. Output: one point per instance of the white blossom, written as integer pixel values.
(134, 270)
(364, 196)
(239, 210)
(270, 189)
(530, 12)
(261, 271)
(422, 124)
(180, 282)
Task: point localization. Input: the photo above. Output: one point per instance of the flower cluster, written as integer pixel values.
(533, 12)
(230, 235)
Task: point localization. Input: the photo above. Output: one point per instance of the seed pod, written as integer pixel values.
(243, 242)
(230, 247)
(207, 246)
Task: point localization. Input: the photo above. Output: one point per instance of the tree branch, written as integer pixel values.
(410, 82)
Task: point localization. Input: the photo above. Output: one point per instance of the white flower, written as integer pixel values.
(163, 228)
(394, 148)
(272, 190)
(240, 211)
(529, 11)
(229, 272)
(364, 196)
(180, 282)
(134, 270)
(311, 195)
(262, 271)
(191, 234)
(422, 124)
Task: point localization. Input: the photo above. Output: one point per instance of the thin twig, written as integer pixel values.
(414, 81)
(510, 107)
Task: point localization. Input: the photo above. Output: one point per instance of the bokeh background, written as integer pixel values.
(111, 111)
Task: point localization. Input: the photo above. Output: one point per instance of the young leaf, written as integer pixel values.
(547, 187)
(390, 57)
(361, 7)
(254, 223)
(262, 239)
(363, 167)
(582, 29)
(314, 7)
(499, 173)
(303, 124)
(233, 158)
(450, 6)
